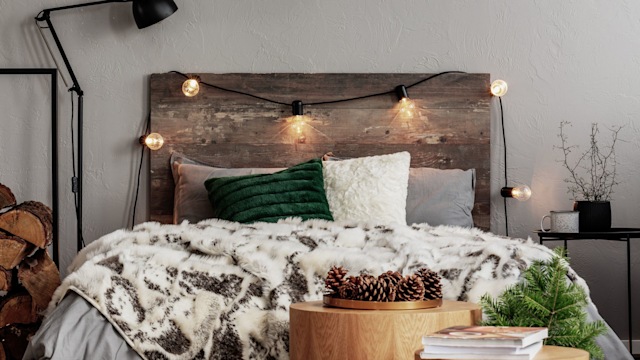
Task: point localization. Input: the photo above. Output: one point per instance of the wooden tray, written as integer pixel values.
(377, 305)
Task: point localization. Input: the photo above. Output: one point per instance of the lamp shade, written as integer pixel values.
(149, 12)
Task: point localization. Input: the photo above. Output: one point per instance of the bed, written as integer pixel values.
(188, 285)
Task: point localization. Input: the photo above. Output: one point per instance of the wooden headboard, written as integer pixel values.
(451, 128)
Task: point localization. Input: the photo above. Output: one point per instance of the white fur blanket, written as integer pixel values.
(221, 290)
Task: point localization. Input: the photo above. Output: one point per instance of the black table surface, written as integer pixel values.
(614, 233)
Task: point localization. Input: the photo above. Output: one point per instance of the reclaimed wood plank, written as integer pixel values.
(451, 128)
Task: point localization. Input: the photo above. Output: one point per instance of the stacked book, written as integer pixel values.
(484, 342)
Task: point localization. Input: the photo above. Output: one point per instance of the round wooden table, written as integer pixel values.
(550, 353)
(320, 332)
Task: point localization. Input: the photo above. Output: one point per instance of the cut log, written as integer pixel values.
(6, 197)
(39, 275)
(6, 278)
(12, 250)
(31, 220)
(16, 338)
(17, 308)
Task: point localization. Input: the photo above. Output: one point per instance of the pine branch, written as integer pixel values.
(544, 297)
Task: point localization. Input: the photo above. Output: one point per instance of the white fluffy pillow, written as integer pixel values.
(372, 188)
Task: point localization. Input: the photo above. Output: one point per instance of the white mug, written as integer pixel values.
(562, 221)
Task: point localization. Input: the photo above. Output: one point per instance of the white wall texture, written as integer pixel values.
(564, 60)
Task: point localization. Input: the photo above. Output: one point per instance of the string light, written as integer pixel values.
(191, 86)
(522, 192)
(297, 109)
(499, 88)
(153, 141)
(407, 106)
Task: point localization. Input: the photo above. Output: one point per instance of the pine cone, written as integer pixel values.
(390, 277)
(335, 278)
(370, 289)
(431, 282)
(348, 290)
(390, 281)
(389, 293)
(410, 288)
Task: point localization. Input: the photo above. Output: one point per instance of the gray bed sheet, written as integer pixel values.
(76, 330)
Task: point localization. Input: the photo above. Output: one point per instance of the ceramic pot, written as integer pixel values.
(594, 215)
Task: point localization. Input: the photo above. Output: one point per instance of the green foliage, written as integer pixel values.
(545, 298)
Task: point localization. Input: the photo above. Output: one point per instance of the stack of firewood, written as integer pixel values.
(28, 276)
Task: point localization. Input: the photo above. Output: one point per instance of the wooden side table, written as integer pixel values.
(319, 332)
(550, 353)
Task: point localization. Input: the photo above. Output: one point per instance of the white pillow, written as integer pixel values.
(372, 188)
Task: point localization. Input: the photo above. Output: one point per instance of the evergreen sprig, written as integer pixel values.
(544, 298)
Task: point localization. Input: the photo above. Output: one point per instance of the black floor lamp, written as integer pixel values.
(145, 13)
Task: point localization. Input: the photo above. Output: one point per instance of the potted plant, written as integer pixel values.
(592, 177)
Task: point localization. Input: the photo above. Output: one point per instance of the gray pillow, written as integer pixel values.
(441, 197)
(191, 200)
(437, 197)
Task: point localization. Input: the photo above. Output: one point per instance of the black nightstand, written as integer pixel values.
(615, 234)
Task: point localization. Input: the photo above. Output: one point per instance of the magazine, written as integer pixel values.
(495, 353)
(486, 336)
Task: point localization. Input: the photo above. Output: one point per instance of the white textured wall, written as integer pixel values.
(564, 60)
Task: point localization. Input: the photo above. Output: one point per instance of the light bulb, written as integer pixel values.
(407, 106)
(406, 112)
(499, 88)
(521, 192)
(190, 87)
(154, 141)
(297, 125)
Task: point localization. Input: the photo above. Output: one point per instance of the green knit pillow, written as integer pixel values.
(297, 191)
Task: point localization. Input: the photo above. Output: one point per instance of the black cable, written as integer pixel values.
(320, 102)
(135, 199)
(73, 146)
(385, 92)
(234, 91)
(350, 99)
(73, 167)
(504, 144)
(435, 76)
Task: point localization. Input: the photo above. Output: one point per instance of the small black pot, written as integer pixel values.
(594, 215)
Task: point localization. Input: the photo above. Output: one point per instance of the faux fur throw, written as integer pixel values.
(222, 290)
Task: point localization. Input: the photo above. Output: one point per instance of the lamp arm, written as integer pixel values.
(45, 16)
(80, 5)
(76, 86)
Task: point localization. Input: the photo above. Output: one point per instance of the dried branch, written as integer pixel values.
(598, 164)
